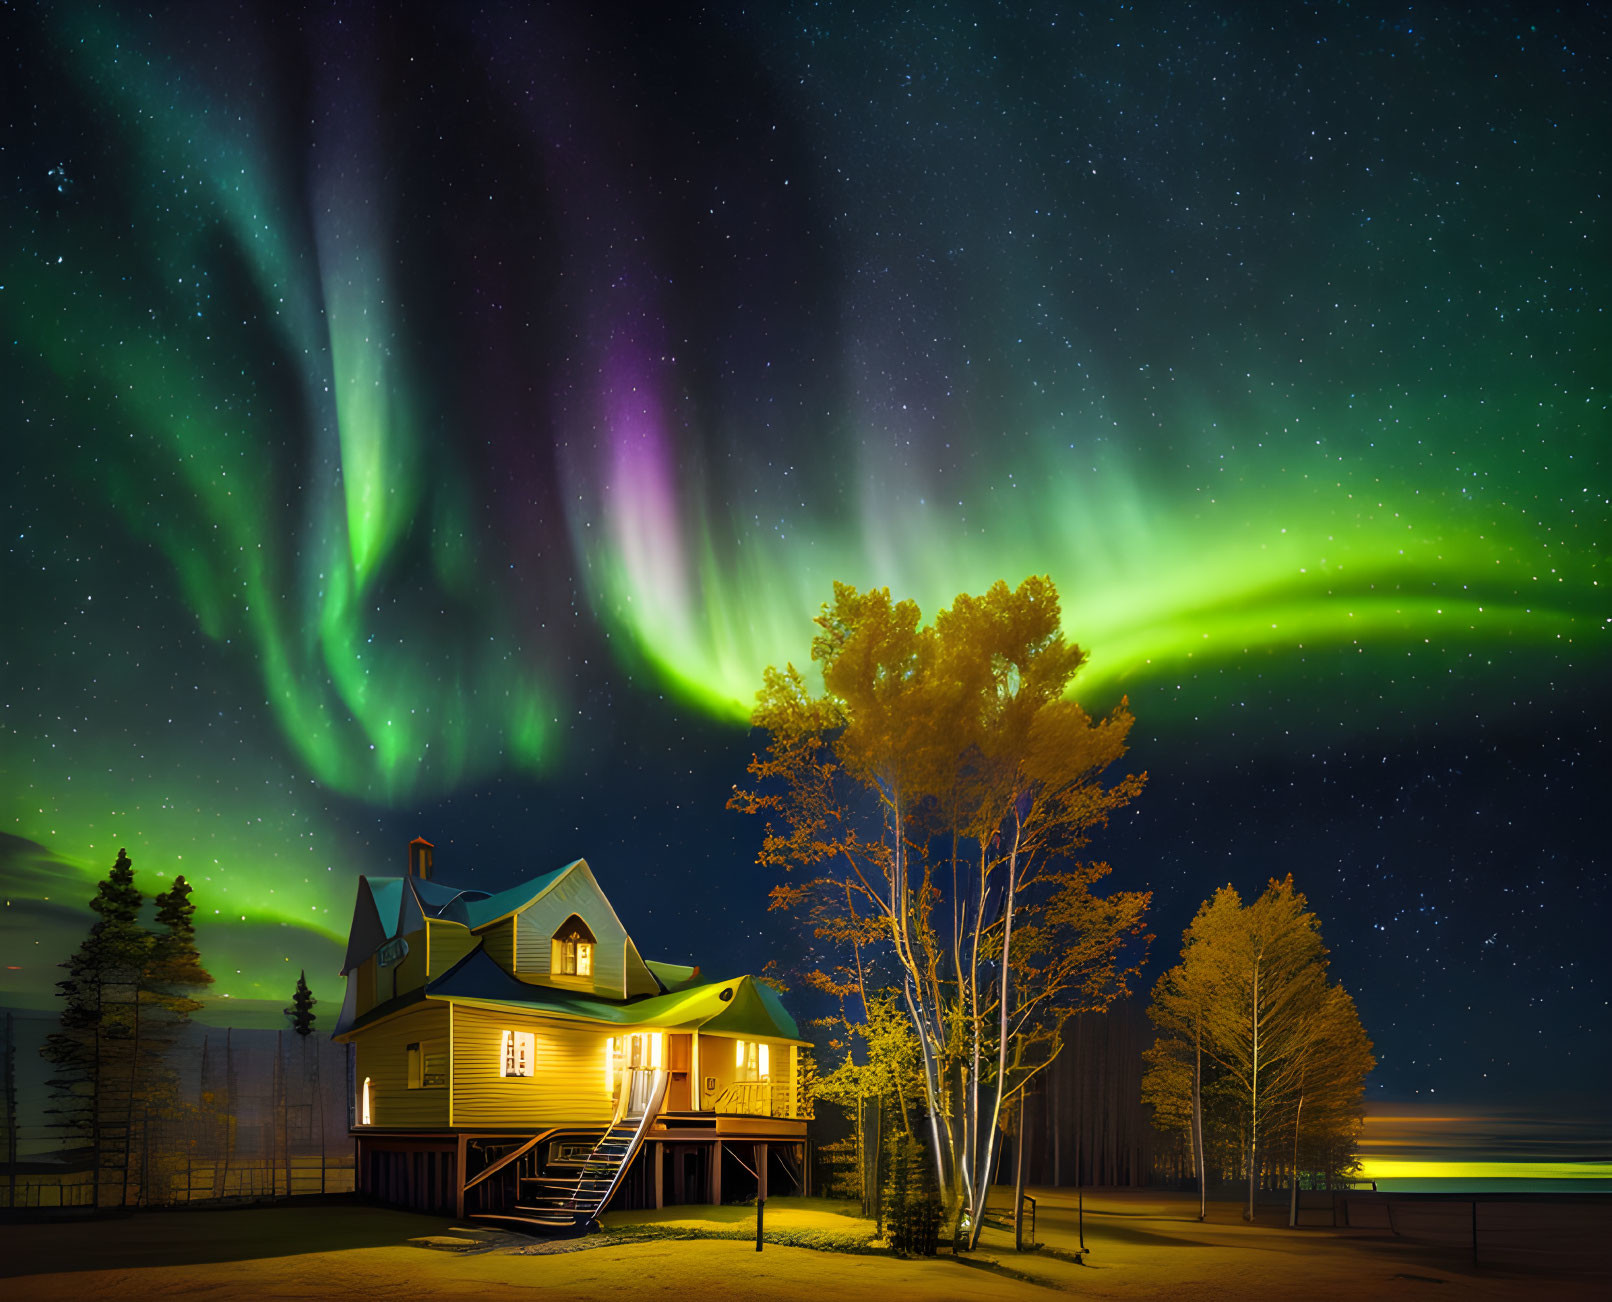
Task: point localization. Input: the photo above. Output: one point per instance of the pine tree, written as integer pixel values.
(95, 1052)
(301, 1011)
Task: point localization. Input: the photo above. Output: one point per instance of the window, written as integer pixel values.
(750, 1061)
(363, 1108)
(517, 1053)
(641, 1051)
(428, 1064)
(571, 953)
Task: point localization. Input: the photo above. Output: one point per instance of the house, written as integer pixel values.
(517, 1059)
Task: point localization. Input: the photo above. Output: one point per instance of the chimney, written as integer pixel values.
(420, 858)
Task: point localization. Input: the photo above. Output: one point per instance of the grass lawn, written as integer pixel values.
(1143, 1246)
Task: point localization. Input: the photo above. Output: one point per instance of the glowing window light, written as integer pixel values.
(364, 1106)
(750, 1060)
(517, 1054)
(571, 950)
(639, 1051)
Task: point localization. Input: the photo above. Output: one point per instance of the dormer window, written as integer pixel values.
(572, 950)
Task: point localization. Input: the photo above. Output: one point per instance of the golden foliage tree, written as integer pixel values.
(1250, 1006)
(930, 806)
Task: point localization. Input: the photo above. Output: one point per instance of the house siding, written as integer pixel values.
(364, 975)
(449, 942)
(568, 1087)
(499, 942)
(536, 924)
(382, 1056)
(410, 973)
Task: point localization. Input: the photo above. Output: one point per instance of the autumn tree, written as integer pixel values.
(1250, 1006)
(930, 806)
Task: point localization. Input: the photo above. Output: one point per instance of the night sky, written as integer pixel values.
(429, 420)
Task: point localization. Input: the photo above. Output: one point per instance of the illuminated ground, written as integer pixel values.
(1144, 1245)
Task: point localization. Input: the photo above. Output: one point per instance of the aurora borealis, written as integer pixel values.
(431, 419)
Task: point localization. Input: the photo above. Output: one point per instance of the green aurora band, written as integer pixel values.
(244, 362)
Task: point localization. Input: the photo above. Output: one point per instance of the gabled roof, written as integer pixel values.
(483, 911)
(375, 918)
(749, 1009)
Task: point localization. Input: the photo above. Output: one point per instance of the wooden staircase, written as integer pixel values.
(546, 1203)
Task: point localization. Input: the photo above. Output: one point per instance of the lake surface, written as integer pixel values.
(1480, 1185)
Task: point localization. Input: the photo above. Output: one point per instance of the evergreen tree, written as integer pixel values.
(301, 1011)
(128, 998)
(96, 1049)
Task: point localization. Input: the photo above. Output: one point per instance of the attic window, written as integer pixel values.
(572, 949)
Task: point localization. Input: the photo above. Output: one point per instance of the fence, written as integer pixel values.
(251, 1114)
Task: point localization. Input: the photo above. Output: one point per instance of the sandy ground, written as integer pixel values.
(1142, 1246)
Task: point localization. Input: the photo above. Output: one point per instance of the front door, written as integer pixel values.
(679, 1097)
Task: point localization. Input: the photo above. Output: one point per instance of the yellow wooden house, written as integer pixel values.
(518, 1059)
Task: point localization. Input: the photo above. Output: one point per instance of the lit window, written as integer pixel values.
(639, 1052)
(749, 1061)
(364, 1106)
(517, 1053)
(571, 953)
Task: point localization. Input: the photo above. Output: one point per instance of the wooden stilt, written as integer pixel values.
(459, 1177)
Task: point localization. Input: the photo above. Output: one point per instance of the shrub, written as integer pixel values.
(912, 1211)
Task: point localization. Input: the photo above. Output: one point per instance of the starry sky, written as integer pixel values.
(431, 419)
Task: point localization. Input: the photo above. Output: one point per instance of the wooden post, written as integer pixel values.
(460, 1157)
(660, 1183)
(761, 1189)
(716, 1173)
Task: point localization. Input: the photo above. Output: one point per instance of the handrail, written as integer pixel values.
(504, 1161)
(651, 1111)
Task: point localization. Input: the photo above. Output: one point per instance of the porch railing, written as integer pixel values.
(755, 1099)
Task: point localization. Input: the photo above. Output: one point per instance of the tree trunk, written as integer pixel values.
(1018, 1177)
(1197, 1123)
(1293, 1206)
(1055, 1118)
(95, 1095)
(1253, 1110)
(128, 1120)
(983, 1196)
